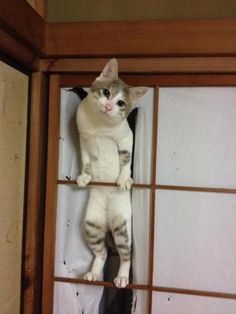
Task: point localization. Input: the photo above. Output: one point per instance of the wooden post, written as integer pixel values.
(33, 224)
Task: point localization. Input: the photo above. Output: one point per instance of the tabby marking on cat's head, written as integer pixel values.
(111, 97)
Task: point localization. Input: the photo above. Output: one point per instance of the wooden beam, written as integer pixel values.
(24, 24)
(149, 39)
(161, 80)
(14, 50)
(143, 65)
(142, 39)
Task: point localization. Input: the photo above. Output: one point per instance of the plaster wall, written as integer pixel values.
(13, 119)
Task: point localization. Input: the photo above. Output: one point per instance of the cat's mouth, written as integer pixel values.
(105, 112)
(109, 116)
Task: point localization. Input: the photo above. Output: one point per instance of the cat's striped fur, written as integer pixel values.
(106, 149)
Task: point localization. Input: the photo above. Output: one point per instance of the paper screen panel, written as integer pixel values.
(196, 137)
(76, 299)
(140, 302)
(140, 253)
(143, 138)
(169, 303)
(73, 257)
(195, 241)
(69, 156)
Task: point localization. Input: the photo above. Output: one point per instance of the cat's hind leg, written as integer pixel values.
(95, 231)
(120, 226)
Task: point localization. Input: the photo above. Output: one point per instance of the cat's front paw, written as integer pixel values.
(90, 276)
(124, 182)
(121, 282)
(83, 179)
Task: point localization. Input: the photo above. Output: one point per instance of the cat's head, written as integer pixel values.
(111, 97)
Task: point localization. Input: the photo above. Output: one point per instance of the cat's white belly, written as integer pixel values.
(104, 156)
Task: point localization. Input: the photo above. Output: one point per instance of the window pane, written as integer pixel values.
(170, 303)
(140, 256)
(143, 139)
(196, 137)
(195, 241)
(140, 302)
(69, 136)
(73, 257)
(76, 299)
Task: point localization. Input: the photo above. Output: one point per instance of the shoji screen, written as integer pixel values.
(183, 198)
(195, 218)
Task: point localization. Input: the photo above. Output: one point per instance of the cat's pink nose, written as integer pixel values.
(108, 107)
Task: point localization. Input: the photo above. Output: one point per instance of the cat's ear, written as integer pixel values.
(110, 72)
(137, 92)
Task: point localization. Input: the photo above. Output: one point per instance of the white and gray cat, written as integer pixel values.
(106, 142)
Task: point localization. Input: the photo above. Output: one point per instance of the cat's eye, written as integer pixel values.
(106, 93)
(121, 103)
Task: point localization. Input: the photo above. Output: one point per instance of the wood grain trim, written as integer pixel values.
(143, 65)
(107, 284)
(14, 50)
(153, 196)
(196, 189)
(160, 187)
(162, 80)
(94, 183)
(24, 24)
(51, 195)
(34, 217)
(41, 7)
(142, 38)
(203, 293)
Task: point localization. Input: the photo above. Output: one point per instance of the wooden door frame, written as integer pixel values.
(193, 51)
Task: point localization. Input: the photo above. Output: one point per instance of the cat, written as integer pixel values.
(106, 142)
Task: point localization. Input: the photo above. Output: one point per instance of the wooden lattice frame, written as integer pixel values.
(58, 81)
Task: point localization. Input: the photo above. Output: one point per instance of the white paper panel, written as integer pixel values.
(166, 303)
(197, 137)
(69, 137)
(76, 299)
(143, 139)
(73, 257)
(195, 241)
(140, 302)
(140, 256)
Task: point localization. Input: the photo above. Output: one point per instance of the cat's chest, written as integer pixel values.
(104, 158)
(101, 149)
